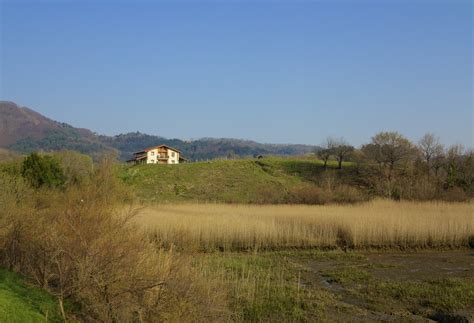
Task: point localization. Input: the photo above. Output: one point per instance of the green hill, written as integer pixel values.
(270, 180)
(20, 302)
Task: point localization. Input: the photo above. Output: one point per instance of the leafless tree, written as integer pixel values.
(340, 148)
(430, 148)
(326, 151)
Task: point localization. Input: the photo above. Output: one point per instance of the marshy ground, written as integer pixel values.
(378, 261)
(314, 285)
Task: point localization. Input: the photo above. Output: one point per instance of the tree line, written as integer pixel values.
(392, 166)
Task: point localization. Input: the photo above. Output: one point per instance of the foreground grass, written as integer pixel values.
(310, 285)
(264, 288)
(430, 298)
(20, 302)
(377, 224)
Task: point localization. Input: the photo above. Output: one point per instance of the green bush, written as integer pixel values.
(42, 171)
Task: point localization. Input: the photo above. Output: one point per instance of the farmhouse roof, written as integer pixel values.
(154, 147)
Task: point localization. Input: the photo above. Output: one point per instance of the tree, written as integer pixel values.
(340, 149)
(42, 171)
(430, 148)
(77, 167)
(390, 151)
(454, 158)
(326, 151)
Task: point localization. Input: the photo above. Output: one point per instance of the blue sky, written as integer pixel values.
(271, 71)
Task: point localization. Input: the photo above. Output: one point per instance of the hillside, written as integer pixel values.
(269, 180)
(24, 130)
(22, 303)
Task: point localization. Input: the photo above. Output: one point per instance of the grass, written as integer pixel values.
(443, 295)
(264, 287)
(268, 180)
(427, 297)
(349, 275)
(377, 224)
(20, 302)
(283, 286)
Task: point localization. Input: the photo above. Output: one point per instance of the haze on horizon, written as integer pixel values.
(270, 71)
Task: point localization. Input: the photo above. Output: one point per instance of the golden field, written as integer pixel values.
(377, 224)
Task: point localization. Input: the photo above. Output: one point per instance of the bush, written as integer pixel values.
(42, 171)
(454, 194)
(77, 167)
(306, 194)
(348, 194)
(82, 245)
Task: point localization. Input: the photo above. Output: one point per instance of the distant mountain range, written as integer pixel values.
(24, 130)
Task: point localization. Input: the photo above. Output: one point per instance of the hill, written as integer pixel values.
(24, 130)
(20, 302)
(7, 155)
(269, 180)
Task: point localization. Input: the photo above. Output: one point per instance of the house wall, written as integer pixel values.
(152, 157)
(173, 159)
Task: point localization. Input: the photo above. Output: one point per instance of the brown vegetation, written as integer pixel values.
(377, 224)
(77, 245)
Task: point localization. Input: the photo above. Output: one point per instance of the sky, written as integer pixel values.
(270, 71)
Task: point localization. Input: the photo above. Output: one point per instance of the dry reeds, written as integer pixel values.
(377, 224)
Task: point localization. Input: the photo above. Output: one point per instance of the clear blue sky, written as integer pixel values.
(272, 71)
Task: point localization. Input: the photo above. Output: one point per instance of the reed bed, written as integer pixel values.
(377, 224)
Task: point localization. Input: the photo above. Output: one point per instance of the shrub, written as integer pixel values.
(42, 171)
(454, 194)
(77, 167)
(306, 194)
(82, 246)
(348, 194)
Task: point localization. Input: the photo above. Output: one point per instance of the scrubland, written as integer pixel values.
(77, 231)
(376, 224)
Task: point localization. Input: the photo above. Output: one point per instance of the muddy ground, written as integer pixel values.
(392, 286)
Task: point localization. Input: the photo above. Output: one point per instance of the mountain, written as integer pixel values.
(24, 130)
(205, 148)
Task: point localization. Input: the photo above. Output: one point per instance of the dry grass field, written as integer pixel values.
(377, 224)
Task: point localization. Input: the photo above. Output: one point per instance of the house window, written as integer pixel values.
(153, 153)
(172, 154)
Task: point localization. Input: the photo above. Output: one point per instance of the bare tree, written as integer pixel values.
(430, 148)
(340, 148)
(326, 151)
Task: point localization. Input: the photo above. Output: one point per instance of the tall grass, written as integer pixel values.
(376, 224)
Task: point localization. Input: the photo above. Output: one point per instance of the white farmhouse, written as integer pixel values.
(158, 155)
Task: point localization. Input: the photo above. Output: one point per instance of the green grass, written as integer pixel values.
(20, 302)
(307, 286)
(442, 295)
(426, 297)
(268, 180)
(348, 276)
(266, 288)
